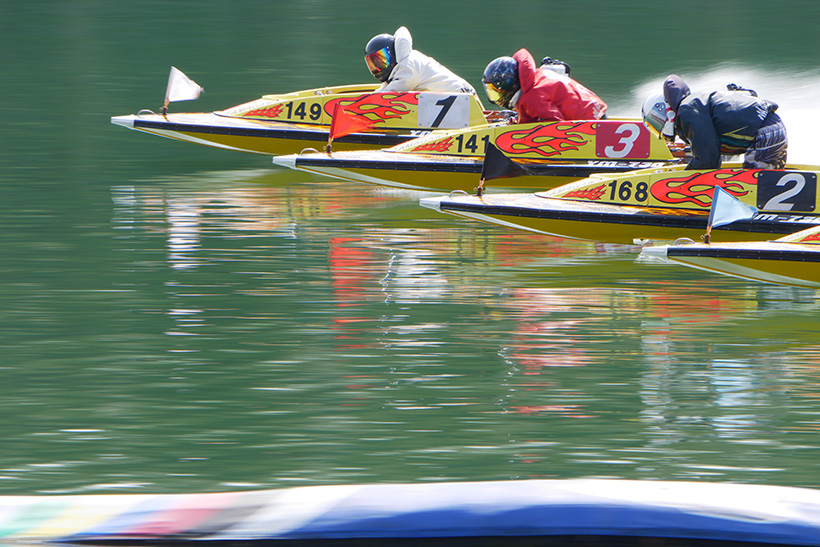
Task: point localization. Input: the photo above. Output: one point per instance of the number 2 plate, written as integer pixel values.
(786, 191)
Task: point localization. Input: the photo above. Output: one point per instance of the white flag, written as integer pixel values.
(181, 87)
(726, 209)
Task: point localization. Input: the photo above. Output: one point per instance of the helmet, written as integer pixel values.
(658, 117)
(675, 90)
(501, 80)
(654, 113)
(380, 56)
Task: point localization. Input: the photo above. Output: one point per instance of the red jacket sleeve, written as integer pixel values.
(526, 69)
(552, 98)
(537, 102)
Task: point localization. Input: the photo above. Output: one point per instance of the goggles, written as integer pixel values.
(379, 60)
(496, 96)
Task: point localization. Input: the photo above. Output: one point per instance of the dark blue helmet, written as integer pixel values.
(501, 81)
(380, 56)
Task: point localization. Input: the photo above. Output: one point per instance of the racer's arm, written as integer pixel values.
(403, 78)
(696, 128)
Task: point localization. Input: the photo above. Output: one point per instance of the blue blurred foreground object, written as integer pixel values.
(468, 513)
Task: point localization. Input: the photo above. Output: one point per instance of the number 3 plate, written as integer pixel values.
(622, 140)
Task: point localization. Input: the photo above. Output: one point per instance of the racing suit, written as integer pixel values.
(731, 123)
(415, 71)
(548, 96)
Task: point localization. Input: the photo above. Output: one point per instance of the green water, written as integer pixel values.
(176, 318)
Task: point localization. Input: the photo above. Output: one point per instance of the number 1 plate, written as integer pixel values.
(444, 111)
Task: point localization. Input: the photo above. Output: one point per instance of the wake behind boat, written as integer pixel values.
(546, 155)
(290, 122)
(790, 260)
(652, 204)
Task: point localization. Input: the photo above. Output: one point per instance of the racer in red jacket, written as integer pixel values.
(539, 95)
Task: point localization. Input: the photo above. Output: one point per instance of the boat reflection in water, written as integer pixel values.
(452, 346)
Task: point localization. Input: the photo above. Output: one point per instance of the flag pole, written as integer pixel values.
(497, 165)
(343, 124)
(712, 210)
(180, 88)
(726, 209)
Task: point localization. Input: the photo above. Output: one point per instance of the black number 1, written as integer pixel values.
(445, 105)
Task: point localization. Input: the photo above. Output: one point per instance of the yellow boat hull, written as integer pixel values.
(419, 171)
(791, 260)
(601, 222)
(252, 136)
(550, 153)
(291, 122)
(660, 203)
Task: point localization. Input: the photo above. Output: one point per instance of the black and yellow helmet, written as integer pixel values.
(501, 81)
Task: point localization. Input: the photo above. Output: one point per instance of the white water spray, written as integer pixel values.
(796, 93)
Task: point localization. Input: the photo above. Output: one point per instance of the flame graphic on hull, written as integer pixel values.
(269, 112)
(698, 188)
(592, 194)
(376, 107)
(811, 238)
(547, 140)
(442, 145)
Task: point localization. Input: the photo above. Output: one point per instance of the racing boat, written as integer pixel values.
(791, 260)
(544, 155)
(652, 204)
(516, 513)
(290, 122)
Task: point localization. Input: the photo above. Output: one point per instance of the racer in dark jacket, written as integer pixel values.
(730, 123)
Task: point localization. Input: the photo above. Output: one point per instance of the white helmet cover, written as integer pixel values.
(658, 117)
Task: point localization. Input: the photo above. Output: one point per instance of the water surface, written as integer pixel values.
(178, 319)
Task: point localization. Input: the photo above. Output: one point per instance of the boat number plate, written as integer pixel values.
(622, 140)
(786, 191)
(444, 111)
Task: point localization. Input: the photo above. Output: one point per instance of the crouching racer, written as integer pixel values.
(717, 123)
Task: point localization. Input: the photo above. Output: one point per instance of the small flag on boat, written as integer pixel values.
(498, 166)
(180, 88)
(342, 124)
(726, 209)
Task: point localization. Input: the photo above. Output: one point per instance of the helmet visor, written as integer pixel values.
(495, 95)
(659, 118)
(379, 60)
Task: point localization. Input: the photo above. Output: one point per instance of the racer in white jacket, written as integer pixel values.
(394, 62)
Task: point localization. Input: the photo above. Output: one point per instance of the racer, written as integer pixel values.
(719, 123)
(538, 95)
(394, 62)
